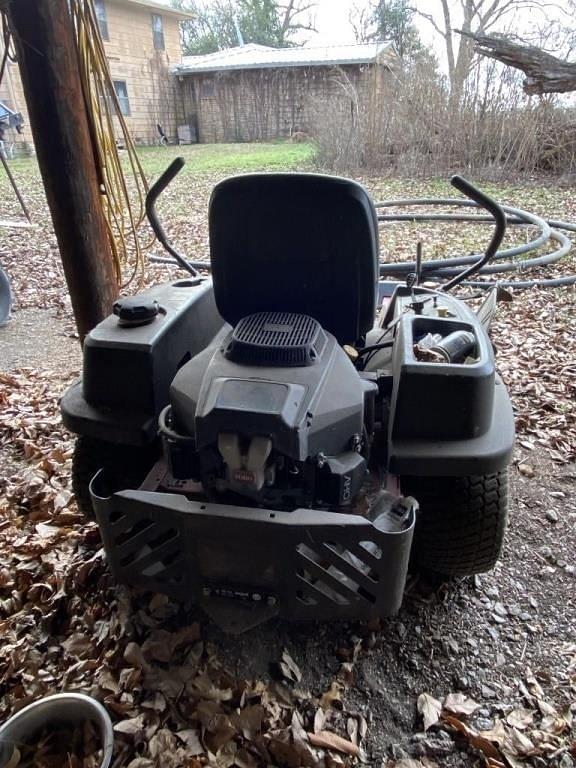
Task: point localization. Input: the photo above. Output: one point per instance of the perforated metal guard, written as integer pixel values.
(148, 548)
(311, 564)
(276, 339)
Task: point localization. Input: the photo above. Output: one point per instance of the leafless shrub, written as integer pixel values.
(405, 122)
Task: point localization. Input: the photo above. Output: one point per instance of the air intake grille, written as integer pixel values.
(276, 339)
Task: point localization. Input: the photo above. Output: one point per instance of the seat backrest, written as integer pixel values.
(301, 243)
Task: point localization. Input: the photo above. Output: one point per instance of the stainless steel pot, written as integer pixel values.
(61, 709)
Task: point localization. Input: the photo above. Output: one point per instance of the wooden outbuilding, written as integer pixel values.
(257, 93)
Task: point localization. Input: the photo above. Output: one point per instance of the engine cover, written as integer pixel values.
(253, 417)
(305, 410)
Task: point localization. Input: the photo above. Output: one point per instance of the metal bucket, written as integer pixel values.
(60, 709)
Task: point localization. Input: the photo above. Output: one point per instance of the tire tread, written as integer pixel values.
(461, 523)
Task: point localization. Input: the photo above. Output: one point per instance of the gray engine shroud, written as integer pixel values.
(306, 410)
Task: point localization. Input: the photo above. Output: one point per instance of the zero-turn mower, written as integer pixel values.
(288, 435)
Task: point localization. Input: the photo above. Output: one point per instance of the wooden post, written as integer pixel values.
(48, 64)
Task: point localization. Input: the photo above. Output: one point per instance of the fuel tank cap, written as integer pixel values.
(136, 310)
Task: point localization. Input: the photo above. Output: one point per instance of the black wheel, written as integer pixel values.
(126, 462)
(461, 523)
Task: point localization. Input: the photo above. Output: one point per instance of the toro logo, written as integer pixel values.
(244, 476)
(346, 487)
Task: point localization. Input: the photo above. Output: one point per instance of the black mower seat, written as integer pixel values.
(301, 243)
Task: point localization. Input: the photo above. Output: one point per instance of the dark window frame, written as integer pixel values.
(102, 18)
(158, 32)
(207, 89)
(123, 99)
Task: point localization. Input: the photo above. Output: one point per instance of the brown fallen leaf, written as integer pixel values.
(430, 709)
(534, 686)
(498, 734)
(191, 739)
(526, 469)
(520, 718)
(330, 696)
(554, 724)
(335, 761)
(289, 669)
(459, 704)
(219, 732)
(243, 759)
(249, 721)
(329, 740)
(131, 726)
(546, 709)
(352, 729)
(319, 720)
(78, 645)
(134, 656)
(474, 738)
(289, 752)
(518, 744)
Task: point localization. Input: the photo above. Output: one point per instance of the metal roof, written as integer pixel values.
(253, 56)
(156, 6)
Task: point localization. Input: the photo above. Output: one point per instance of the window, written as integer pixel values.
(100, 9)
(207, 89)
(158, 31)
(122, 93)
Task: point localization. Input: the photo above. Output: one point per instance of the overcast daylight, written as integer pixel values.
(287, 384)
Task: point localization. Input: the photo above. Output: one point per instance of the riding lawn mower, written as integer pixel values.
(290, 435)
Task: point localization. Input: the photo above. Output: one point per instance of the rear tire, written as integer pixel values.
(461, 523)
(130, 464)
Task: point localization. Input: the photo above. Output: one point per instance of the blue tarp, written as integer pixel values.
(9, 117)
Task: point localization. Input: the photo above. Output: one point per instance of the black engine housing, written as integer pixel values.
(287, 428)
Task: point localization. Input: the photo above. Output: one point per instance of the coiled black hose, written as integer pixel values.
(445, 269)
(441, 269)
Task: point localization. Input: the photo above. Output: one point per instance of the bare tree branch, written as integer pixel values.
(430, 19)
(544, 73)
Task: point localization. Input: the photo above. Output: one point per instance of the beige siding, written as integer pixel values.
(152, 91)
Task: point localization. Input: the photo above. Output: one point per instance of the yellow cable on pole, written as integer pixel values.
(124, 213)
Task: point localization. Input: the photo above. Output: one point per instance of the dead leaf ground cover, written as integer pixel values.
(477, 672)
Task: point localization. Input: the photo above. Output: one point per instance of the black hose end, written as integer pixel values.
(462, 185)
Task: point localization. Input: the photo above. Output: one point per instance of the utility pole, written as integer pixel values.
(47, 58)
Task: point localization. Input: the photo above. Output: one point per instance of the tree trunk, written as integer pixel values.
(49, 69)
(544, 73)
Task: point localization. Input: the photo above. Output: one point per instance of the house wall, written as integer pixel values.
(258, 105)
(152, 91)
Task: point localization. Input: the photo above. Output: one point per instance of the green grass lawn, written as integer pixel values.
(208, 158)
(234, 158)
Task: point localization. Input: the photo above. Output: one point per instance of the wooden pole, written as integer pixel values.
(48, 64)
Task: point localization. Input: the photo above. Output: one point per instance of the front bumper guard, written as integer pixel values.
(244, 565)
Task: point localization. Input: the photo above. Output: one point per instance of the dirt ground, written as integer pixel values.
(505, 639)
(37, 338)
